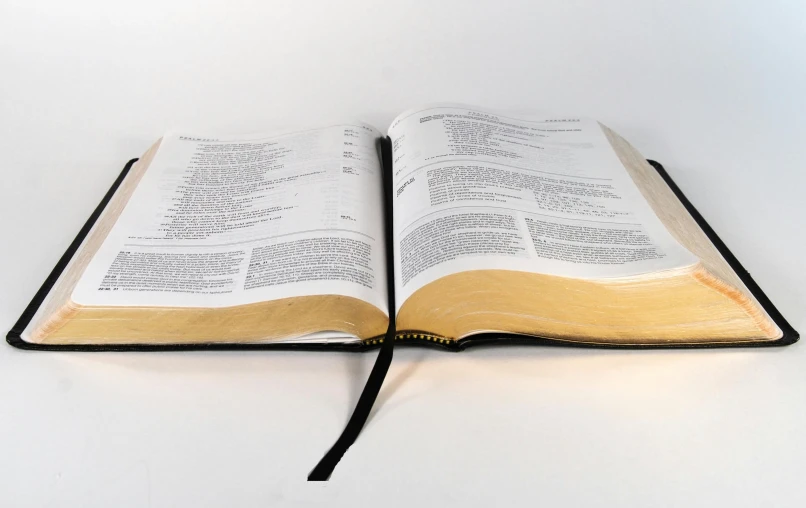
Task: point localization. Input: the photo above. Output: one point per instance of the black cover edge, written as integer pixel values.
(790, 335)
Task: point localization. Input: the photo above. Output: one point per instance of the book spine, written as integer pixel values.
(412, 337)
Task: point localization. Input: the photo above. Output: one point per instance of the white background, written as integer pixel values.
(713, 89)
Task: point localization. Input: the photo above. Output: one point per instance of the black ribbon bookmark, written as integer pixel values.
(325, 467)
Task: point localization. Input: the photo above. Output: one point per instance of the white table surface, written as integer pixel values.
(714, 90)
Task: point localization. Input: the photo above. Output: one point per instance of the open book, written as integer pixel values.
(461, 224)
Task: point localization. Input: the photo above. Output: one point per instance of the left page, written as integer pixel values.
(218, 222)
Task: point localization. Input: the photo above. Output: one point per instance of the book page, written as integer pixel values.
(217, 222)
(475, 190)
(325, 337)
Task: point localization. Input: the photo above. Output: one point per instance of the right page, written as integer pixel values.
(477, 190)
